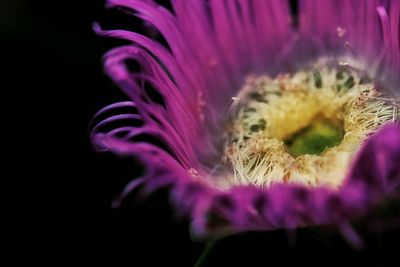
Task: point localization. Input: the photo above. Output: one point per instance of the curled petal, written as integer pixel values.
(212, 49)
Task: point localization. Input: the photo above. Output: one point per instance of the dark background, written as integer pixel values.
(53, 83)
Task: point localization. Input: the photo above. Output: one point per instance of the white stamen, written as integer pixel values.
(272, 110)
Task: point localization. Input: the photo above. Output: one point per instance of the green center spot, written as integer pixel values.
(314, 139)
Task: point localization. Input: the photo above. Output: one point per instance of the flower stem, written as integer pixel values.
(206, 252)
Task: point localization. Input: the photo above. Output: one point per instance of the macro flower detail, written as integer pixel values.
(258, 119)
(304, 128)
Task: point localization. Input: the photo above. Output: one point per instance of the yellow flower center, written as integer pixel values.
(303, 127)
(314, 139)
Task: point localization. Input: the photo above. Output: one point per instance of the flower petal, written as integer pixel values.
(378, 163)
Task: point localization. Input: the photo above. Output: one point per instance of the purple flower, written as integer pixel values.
(266, 120)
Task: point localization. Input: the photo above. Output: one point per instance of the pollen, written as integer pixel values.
(303, 127)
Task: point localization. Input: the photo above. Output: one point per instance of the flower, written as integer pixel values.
(262, 120)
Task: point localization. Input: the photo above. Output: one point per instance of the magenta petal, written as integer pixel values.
(375, 173)
(213, 46)
(378, 163)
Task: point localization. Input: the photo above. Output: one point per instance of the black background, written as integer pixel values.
(53, 83)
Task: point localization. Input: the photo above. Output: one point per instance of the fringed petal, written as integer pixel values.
(213, 46)
(367, 31)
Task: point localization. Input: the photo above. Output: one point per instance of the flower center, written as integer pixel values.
(302, 127)
(315, 138)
